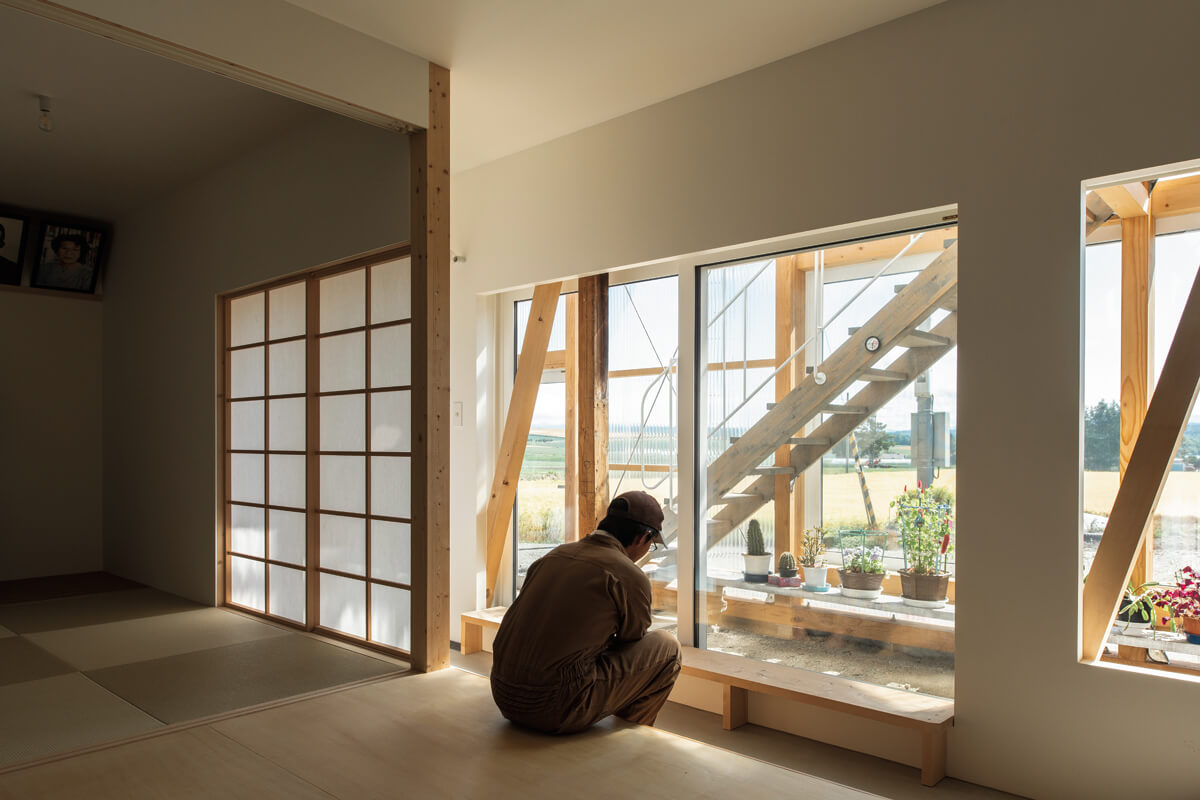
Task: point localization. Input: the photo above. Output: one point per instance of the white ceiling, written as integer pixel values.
(524, 72)
(129, 126)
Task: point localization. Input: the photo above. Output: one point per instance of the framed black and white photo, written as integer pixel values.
(70, 256)
(12, 247)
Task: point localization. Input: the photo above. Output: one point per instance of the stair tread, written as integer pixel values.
(773, 471)
(882, 375)
(833, 408)
(923, 339)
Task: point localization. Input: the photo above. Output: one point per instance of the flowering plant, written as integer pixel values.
(813, 547)
(1182, 599)
(925, 528)
(860, 559)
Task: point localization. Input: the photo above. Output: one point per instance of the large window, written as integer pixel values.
(318, 458)
(825, 433)
(1140, 263)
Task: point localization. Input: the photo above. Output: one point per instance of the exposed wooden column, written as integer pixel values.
(1149, 465)
(571, 432)
(785, 275)
(516, 427)
(803, 264)
(430, 231)
(1137, 347)
(592, 401)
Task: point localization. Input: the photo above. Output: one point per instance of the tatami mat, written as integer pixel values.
(208, 682)
(62, 713)
(98, 646)
(198, 763)
(21, 660)
(48, 588)
(90, 609)
(440, 736)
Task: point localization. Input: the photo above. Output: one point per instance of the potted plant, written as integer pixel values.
(1183, 601)
(862, 572)
(787, 565)
(758, 560)
(926, 537)
(1136, 611)
(816, 575)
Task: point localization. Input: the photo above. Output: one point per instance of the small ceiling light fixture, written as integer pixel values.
(45, 121)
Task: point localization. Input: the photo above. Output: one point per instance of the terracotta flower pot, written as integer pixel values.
(1191, 626)
(924, 590)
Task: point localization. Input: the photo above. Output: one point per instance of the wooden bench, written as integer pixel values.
(930, 716)
(473, 623)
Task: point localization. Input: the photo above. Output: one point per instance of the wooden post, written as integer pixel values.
(1149, 465)
(785, 274)
(592, 401)
(1137, 347)
(799, 317)
(430, 231)
(571, 432)
(516, 427)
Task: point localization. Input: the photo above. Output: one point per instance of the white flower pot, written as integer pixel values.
(757, 568)
(816, 578)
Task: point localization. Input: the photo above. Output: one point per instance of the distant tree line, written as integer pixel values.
(1102, 439)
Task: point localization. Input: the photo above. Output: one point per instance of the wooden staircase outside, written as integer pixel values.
(896, 325)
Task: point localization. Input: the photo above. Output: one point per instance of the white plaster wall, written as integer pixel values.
(1002, 108)
(329, 190)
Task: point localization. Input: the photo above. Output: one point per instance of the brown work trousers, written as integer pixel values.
(631, 681)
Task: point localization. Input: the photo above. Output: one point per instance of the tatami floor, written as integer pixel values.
(111, 690)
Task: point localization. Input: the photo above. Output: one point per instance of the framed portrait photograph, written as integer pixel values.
(70, 256)
(12, 247)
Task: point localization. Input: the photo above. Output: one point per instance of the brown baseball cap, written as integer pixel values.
(638, 507)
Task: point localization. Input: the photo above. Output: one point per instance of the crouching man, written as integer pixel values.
(574, 647)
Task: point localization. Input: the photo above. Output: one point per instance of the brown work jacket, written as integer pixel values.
(578, 600)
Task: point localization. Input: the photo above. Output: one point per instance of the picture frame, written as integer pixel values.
(70, 255)
(14, 233)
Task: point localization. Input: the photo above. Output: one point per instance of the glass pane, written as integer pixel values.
(246, 320)
(246, 425)
(247, 583)
(558, 331)
(391, 356)
(246, 530)
(391, 551)
(246, 373)
(391, 421)
(287, 481)
(344, 544)
(391, 486)
(288, 533)
(246, 477)
(826, 501)
(344, 422)
(288, 368)
(287, 424)
(391, 616)
(1101, 390)
(343, 483)
(344, 605)
(541, 499)
(643, 324)
(288, 311)
(391, 290)
(343, 362)
(342, 301)
(288, 595)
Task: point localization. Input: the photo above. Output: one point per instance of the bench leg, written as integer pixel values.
(472, 637)
(933, 755)
(736, 703)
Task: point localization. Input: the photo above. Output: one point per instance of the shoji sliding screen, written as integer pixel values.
(318, 469)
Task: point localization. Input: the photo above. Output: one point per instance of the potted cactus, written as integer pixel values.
(787, 565)
(812, 558)
(758, 560)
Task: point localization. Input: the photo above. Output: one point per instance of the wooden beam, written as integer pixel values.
(1149, 465)
(1137, 275)
(571, 387)
(1174, 197)
(881, 249)
(1128, 200)
(785, 277)
(430, 169)
(592, 399)
(516, 427)
(556, 359)
(799, 330)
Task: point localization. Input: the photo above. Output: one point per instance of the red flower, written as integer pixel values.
(945, 543)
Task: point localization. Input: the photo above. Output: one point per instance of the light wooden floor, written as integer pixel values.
(419, 736)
